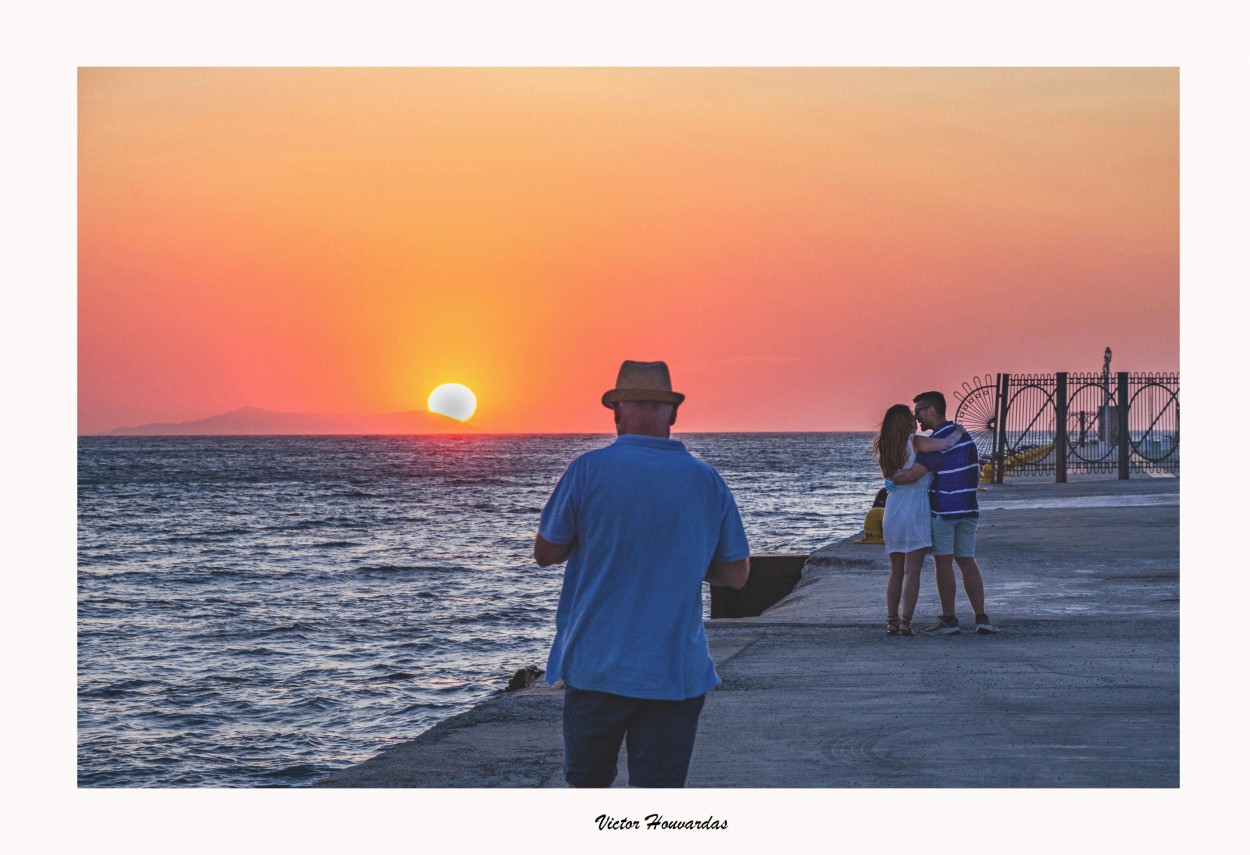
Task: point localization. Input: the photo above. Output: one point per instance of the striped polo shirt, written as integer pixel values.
(956, 473)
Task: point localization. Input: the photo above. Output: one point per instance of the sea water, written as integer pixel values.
(260, 611)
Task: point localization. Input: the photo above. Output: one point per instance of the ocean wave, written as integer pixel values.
(392, 678)
(117, 690)
(369, 569)
(304, 772)
(505, 616)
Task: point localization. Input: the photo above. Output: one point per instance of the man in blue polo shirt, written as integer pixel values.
(642, 523)
(953, 513)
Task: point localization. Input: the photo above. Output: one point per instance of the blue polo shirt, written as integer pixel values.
(646, 519)
(956, 474)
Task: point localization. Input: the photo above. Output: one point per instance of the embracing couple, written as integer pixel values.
(932, 506)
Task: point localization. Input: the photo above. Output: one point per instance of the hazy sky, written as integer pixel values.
(804, 247)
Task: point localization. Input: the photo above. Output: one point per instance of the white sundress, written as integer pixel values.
(906, 523)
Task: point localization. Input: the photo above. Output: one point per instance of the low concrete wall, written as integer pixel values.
(772, 578)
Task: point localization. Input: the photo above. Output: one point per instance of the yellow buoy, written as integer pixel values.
(872, 526)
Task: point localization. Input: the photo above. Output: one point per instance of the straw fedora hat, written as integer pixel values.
(643, 381)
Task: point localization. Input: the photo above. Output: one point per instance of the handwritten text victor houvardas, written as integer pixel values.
(654, 821)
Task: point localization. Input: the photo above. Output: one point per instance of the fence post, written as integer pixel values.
(1061, 427)
(1000, 439)
(1121, 418)
(1176, 440)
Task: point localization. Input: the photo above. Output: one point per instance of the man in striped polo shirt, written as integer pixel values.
(953, 512)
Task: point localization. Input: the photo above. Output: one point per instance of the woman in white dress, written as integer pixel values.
(905, 527)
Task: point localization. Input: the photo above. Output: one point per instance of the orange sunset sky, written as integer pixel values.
(804, 247)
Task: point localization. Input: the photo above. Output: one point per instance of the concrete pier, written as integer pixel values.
(1080, 689)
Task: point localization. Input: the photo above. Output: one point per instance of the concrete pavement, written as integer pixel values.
(1080, 689)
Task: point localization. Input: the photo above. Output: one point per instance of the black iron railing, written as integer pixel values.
(1069, 423)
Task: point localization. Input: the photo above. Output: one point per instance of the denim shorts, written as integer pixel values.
(955, 537)
(658, 736)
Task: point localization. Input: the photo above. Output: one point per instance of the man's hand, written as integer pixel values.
(547, 553)
(729, 574)
(943, 445)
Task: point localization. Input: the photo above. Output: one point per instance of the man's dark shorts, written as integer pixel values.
(659, 738)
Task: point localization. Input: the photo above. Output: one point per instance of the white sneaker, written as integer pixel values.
(944, 628)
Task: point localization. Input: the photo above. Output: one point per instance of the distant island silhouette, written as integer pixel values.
(253, 421)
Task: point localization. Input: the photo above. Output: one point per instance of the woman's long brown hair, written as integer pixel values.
(891, 444)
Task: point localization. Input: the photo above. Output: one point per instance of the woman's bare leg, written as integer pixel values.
(912, 562)
(894, 587)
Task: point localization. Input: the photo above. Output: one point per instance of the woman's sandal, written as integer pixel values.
(891, 625)
(904, 627)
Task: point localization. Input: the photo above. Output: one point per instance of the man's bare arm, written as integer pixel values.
(728, 574)
(547, 553)
(928, 443)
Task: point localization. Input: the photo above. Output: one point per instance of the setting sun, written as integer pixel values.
(453, 400)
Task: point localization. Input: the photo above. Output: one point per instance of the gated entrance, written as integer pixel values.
(1069, 423)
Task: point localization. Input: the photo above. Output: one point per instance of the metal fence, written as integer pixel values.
(1066, 423)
